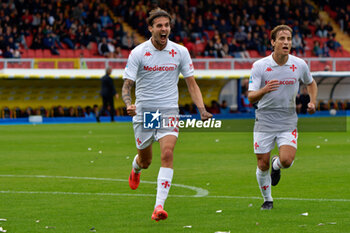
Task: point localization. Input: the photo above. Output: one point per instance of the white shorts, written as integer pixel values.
(264, 142)
(145, 137)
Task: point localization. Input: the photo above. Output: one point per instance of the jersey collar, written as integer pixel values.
(274, 64)
(167, 47)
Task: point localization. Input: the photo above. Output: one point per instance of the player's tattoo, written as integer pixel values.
(126, 91)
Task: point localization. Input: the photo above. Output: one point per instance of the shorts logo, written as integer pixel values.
(256, 145)
(151, 120)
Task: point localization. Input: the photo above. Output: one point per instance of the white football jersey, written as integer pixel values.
(156, 74)
(276, 109)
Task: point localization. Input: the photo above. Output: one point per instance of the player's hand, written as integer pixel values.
(206, 115)
(131, 110)
(272, 85)
(311, 108)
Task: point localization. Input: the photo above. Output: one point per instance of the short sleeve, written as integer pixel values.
(255, 78)
(306, 76)
(187, 69)
(131, 68)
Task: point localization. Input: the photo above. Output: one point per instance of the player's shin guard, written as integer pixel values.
(135, 166)
(264, 181)
(165, 177)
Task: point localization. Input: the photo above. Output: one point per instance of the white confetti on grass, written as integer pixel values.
(305, 214)
(2, 229)
(217, 140)
(100, 152)
(331, 223)
(222, 231)
(37, 220)
(321, 224)
(250, 205)
(187, 226)
(89, 149)
(3, 219)
(318, 146)
(219, 211)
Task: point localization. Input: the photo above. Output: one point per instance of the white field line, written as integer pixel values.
(200, 192)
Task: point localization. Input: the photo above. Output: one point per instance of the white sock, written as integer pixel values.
(264, 181)
(165, 176)
(135, 166)
(277, 164)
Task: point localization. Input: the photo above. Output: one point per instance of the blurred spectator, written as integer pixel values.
(89, 112)
(215, 107)
(49, 42)
(219, 47)
(333, 44)
(106, 21)
(128, 41)
(224, 109)
(297, 45)
(108, 93)
(104, 49)
(240, 36)
(304, 99)
(321, 31)
(210, 50)
(317, 50)
(325, 50)
(246, 105)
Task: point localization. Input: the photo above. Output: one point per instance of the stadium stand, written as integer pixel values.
(68, 35)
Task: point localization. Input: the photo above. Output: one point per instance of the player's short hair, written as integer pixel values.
(158, 12)
(278, 28)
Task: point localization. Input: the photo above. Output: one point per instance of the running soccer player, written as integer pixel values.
(154, 66)
(274, 84)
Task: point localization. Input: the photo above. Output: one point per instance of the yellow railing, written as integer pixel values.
(56, 61)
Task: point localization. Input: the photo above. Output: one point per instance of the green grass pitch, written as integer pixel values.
(73, 178)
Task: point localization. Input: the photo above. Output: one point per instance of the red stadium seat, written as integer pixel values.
(30, 53)
(39, 53)
(47, 53)
(125, 53)
(70, 53)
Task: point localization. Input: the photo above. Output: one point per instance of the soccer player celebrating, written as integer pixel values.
(155, 66)
(274, 84)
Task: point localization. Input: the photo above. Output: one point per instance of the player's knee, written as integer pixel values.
(167, 156)
(144, 163)
(263, 165)
(286, 162)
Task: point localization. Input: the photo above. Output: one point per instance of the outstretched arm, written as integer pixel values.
(197, 98)
(126, 95)
(312, 90)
